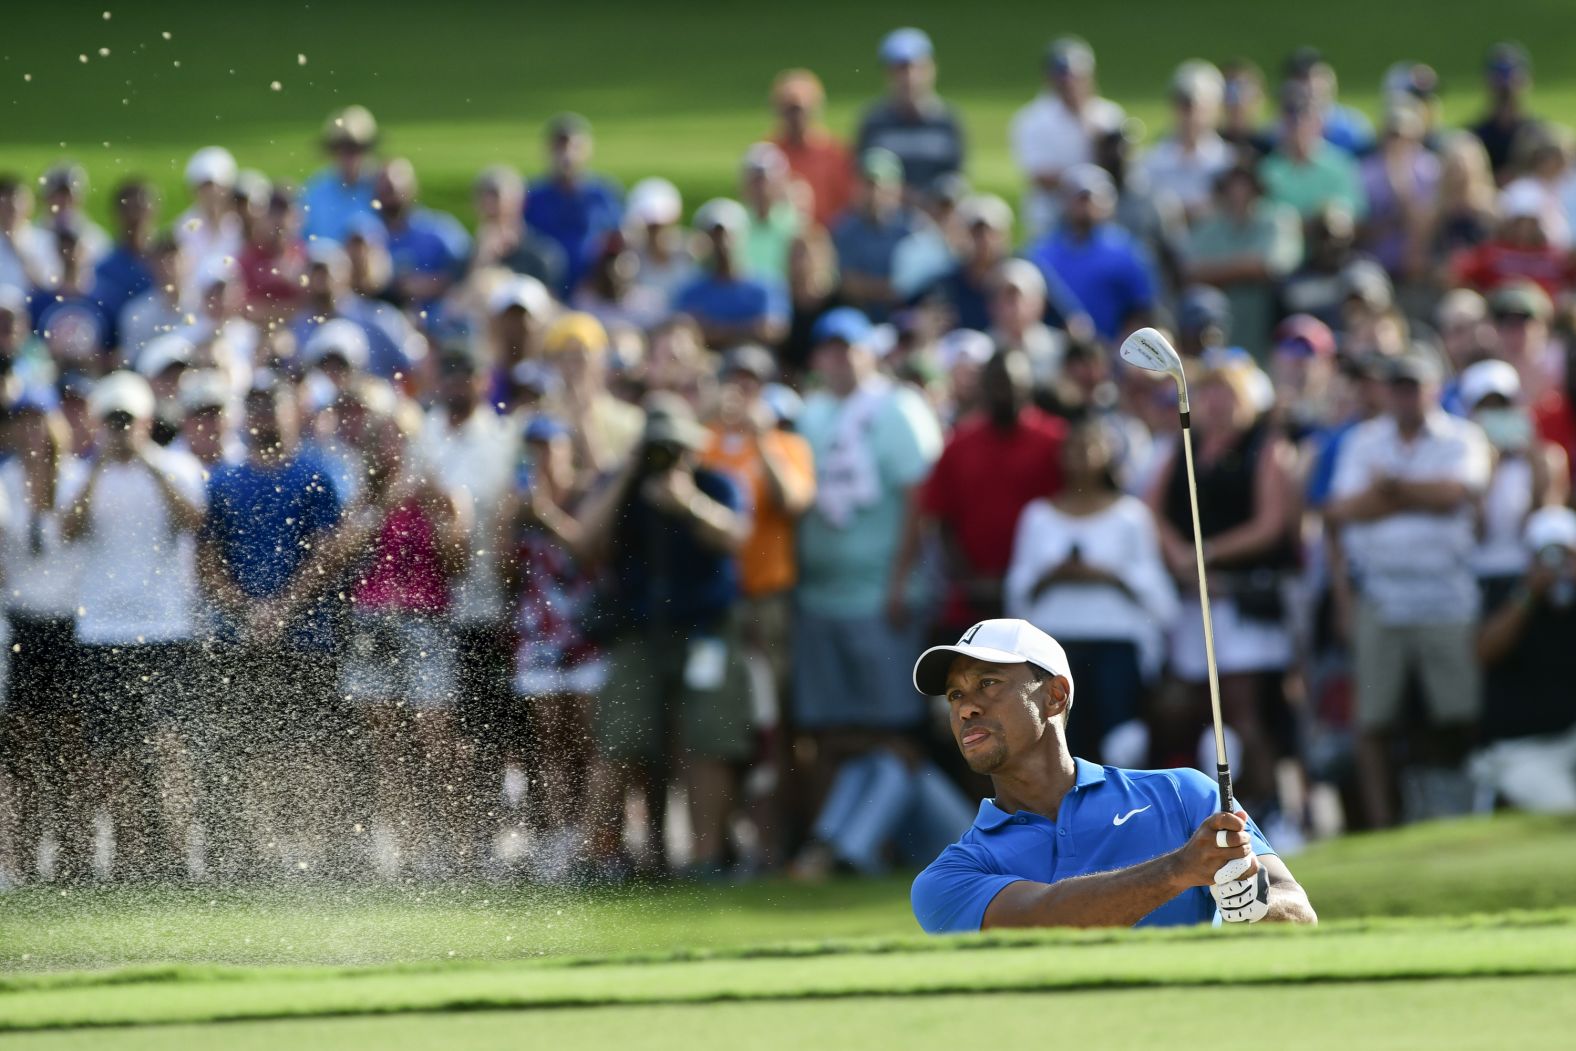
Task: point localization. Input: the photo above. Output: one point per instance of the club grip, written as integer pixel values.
(1228, 800)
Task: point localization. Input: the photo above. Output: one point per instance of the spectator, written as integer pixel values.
(1305, 170)
(912, 122)
(209, 231)
(1507, 76)
(1316, 287)
(1245, 247)
(1416, 85)
(1302, 367)
(568, 205)
(1018, 294)
(1342, 127)
(26, 261)
(1189, 160)
(392, 345)
(335, 196)
(65, 188)
(134, 518)
(126, 272)
(503, 239)
(605, 430)
(1401, 184)
(206, 430)
(1519, 249)
(273, 756)
(162, 363)
(610, 293)
(1056, 131)
(730, 306)
(273, 263)
(669, 530)
(67, 314)
(518, 310)
(1086, 564)
(1247, 518)
(652, 225)
(812, 291)
(817, 159)
(41, 728)
(1521, 314)
(429, 249)
(1097, 261)
(1465, 206)
(1524, 644)
(1542, 162)
(933, 247)
(867, 237)
(1152, 213)
(963, 292)
(1242, 103)
(159, 310)
(1402, 497)
(774, 218)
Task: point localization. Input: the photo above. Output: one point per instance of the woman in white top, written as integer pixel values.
(1086, 567)
(41, 738)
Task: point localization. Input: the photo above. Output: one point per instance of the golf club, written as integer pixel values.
(1151, 351)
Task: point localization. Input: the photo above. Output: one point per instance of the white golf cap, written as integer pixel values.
(722, 212)
(986, 209)
(164, 351)
(122, 391)
(964, 346)
(1003, 641)
(204, 389)
(1522, 199)
(1551, 527)
(1022, 275)
(341, 337)
(522, 291)
(213, 164)
(654, 202)
(1490, 376)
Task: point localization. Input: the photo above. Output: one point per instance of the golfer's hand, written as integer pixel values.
(1201, 858)
(1244, 900)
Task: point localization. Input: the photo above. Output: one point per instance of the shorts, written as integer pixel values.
(45, 665)
(680, 687)
(131, 692)
(400, 657)
(1242, 645)
(767, 623)
(855, 673)
(1444, 657)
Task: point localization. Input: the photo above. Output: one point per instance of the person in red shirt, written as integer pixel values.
(273, 261)
(818, 161)
(1519, 251)
(995, 462)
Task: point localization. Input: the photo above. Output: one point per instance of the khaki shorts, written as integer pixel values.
(672, 687)
(1442, 655)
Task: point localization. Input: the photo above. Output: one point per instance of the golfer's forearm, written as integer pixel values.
(1119, 898)
(1289, 904)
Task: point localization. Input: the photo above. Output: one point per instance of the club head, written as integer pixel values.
(1149, 350)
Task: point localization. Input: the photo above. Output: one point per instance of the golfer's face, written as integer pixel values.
(996, 711)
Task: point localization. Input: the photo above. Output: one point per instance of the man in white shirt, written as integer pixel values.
(1403, 496)
(1058, 129)
(135, 516)
(209, 232)
(1186, 162)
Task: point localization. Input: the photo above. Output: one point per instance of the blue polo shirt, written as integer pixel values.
(577, 217)
(714, 300)
(330, 206)
(1107, 274)
(1157, 809)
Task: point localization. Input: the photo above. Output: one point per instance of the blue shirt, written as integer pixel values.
(714, 300)
(120, 277)
(328, 205)
(576, 216)
(1107, 274)
(261, 523)
(1158, 811)
(429, 243)
(386, 328)
(664, 574)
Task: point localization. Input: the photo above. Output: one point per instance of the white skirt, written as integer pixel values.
(1241, 645)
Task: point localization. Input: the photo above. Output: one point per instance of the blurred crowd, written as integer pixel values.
(341, 539)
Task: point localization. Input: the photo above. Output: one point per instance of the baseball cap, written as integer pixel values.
(204, 389)
(1367, 280)
(353, 126)
(764, 158)
(1088, 180)
(1552, 526)
(68, 176)
(750, 359)
(122, 391)
(1304, 335)
(1002, 641)
(1507, 59)
(902, 46)
(671, 421)
(881, 166)
(213, 164)
(1199, 82)
(986, 209)
(164, 351)
(1460, 306)
(1414, 366)
(1070, 54)
(1520, 299)
(521, 291)
(1022, 275)
(1522, 199)
(568, 125)
(339, 337)
(328, 255)
(1490, 376)
(963, 345)
(1202, 306)
(576, 327)
(842, 323)
(654, 202)
(723, 213)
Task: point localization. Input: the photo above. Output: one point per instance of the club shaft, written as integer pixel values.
(1222, 768)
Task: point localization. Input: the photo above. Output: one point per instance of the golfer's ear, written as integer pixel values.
(1056, 694)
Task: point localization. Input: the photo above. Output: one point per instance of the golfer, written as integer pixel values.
(1066, 843)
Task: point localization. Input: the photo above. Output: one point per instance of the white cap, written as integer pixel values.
(213, 164)
(164, 351)
(720, 211)
(1491, 376)
(654, 202)
(985, 208)
(217, 270)
(765, 157)
(964, 345)
(522, 291)
(204, 389)
(1002, 641)
(122, 391)
(1522, 199)
(1024, 276)
(1550, 527)
(340, 336)
(1200, 81)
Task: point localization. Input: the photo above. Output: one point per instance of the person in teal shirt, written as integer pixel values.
(774, 221)
(1305, 171)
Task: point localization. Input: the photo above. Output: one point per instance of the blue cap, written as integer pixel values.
(844, 323)
(35, 398)
(545, 429)
(1201, 306)
(906, 45)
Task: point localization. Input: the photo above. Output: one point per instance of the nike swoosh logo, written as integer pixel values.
(1121, 819)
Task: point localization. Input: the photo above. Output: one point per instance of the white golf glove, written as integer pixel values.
(1241, 900)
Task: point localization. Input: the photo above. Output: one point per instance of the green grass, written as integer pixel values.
(673, 89)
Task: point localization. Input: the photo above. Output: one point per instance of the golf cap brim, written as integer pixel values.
(1001, 641)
